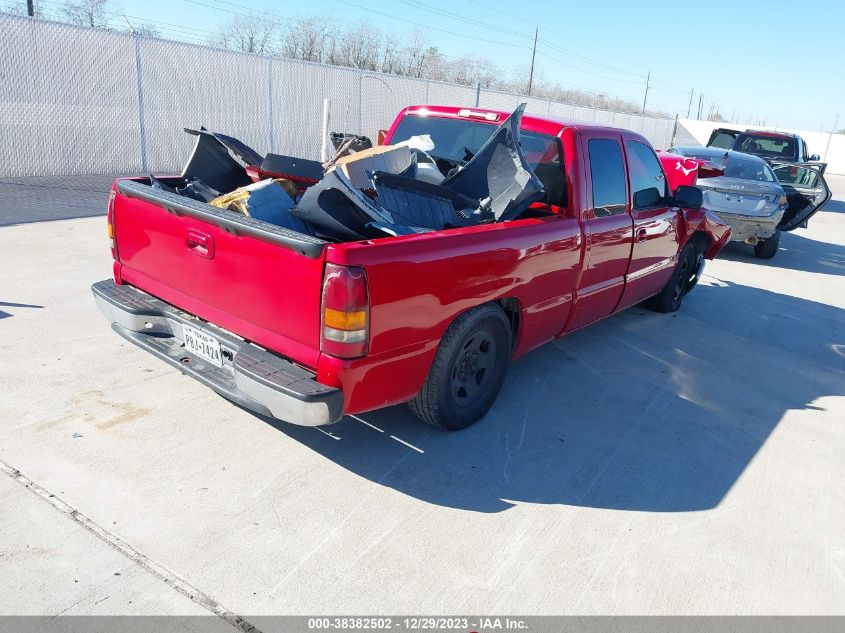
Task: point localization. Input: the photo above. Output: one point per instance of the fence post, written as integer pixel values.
(548, 107)
(140, 88)
(270, 130)
(427, 87)
(360, 102)
(674, 131)
(477, 94)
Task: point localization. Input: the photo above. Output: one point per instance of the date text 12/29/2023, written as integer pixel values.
(417, 623)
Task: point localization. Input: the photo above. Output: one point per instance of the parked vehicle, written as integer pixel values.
(778, 146)
(307, 326)
(799, 173)
(747, 196)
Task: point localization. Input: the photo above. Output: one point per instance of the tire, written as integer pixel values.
(468, 370)
(767, 248)
(670, 298)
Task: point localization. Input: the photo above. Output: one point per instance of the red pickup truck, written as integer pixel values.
(306, 328)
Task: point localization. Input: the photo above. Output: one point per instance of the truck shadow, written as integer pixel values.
(796, 253)
(644, 412)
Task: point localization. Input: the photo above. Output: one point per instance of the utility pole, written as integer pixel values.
(645, 97)
(700, 97)
(30, 10)
(533, 55)
(689, 107)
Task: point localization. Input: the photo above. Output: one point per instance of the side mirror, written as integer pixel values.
(646, 198)
(815, 157)
(382, 134)
(688, 197)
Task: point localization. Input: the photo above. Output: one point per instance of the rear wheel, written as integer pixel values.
(670, 298)
(468, 370)
(767, 248)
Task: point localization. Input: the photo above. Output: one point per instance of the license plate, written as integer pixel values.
(202, 345)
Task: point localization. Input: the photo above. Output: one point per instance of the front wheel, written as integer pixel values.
(767, 248)
(682, 280)
(468, 370)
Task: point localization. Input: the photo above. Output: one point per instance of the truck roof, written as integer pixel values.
(540, 124)
(771, 133)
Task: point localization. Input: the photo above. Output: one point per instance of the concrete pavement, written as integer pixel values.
(662, 464)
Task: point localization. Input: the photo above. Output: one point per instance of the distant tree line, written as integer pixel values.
(410, 54)
(357, 45)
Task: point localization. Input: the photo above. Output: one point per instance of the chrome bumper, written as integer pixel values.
(250, 376)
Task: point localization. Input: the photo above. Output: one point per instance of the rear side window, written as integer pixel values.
(608, 175)
(543, 153)
(768, 146)
(648, 183)
(722, 140)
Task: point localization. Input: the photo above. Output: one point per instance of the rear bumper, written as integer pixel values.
(250, 376)
(750, 228)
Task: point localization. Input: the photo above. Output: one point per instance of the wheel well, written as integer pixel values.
(510, 307)
(701, 240)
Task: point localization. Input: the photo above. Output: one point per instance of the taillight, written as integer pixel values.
(110, 221)
(346, 312)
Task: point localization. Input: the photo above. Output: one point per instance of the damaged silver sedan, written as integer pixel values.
(749, 197)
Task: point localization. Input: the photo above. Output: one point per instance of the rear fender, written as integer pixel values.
(710, 226)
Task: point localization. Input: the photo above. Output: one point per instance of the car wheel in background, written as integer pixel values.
(768, 248)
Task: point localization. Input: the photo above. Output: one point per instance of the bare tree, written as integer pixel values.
(363, 45)
(249, 35)
(88, 12)
(19, 8)
(312, 39)
(145, 30)
(415, 54)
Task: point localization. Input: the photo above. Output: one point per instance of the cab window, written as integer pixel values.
(648, 182)
(607, 171)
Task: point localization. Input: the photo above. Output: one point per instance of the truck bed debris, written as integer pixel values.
(363, 191)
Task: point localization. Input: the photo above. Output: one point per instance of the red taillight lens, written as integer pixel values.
(110, 221)
(346, 312)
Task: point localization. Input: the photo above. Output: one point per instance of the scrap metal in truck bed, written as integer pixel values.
(308, 325)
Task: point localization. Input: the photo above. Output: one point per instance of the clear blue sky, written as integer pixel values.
(779, 59)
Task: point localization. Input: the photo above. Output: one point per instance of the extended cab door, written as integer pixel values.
(806, 191)
(607, 228)
(656, 240)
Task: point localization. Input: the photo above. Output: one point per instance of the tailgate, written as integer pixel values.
(257, 280)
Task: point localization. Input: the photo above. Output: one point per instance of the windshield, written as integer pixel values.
(768, 146)
(457, 140)
(742, 168)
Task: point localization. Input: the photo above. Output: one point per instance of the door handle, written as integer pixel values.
(641, 235)
(200, 244)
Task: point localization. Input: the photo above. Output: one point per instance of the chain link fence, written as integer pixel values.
(77, 100)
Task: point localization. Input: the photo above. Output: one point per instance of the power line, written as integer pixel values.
(463, 18)
(589, 72)
(164, 26)
(426, 26)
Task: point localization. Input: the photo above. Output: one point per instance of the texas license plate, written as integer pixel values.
(202, 345)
